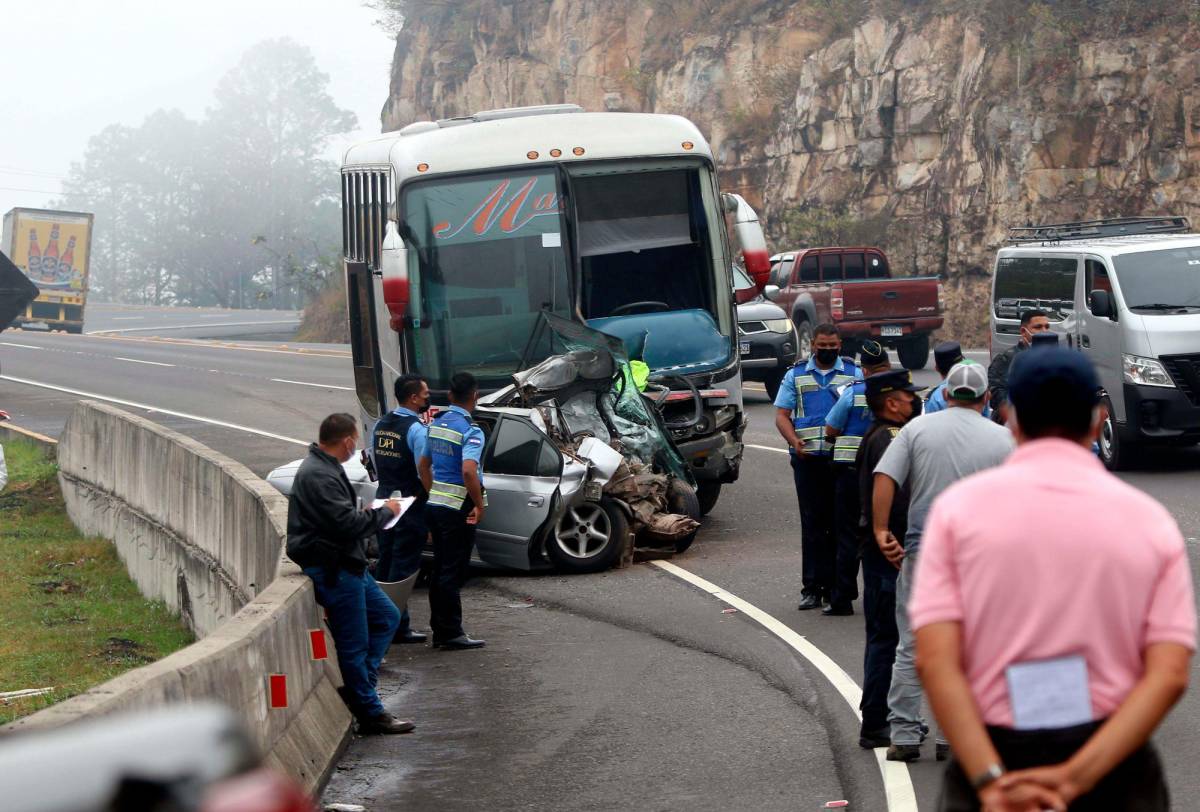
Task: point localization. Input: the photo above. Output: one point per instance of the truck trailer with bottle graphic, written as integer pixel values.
(52, 248)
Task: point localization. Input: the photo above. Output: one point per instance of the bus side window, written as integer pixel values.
(808, 269)
(831, 267)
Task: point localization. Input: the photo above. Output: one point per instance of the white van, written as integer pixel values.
(1127, 293)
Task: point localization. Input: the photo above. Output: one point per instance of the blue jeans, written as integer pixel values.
(904, 694)
(363, 622)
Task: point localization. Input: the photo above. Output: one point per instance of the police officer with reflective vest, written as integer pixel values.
(806, 394)
(397, 442)
(846, 424)
(451, 472)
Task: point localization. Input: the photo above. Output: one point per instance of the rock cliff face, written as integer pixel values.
(941, 132)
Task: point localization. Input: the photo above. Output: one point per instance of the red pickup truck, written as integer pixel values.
(854, 289)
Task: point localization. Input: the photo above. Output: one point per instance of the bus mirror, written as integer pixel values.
(393, 267)
(750, 237)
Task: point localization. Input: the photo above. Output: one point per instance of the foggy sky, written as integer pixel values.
(72, 67)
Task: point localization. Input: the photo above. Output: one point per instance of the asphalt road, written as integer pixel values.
(629, 688)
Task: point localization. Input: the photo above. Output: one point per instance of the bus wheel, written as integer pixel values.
(681, 498)
(914, 353)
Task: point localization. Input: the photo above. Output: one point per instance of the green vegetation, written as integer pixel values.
(72, 616)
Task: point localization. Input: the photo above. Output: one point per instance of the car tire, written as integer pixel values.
(914, 353)
(1116, 454)
(709, 491)
(588, 538)
(682, 498)
(804, 340)
(772, 381)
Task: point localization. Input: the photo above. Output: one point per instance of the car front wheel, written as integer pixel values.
(588, 538)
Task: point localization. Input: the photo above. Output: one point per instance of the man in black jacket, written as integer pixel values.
(1032, 323)
(327, 532)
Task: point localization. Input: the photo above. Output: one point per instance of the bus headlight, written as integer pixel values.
(1145, 371)
(778, 325)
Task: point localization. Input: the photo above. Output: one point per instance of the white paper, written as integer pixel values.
(1049, 693)
(551, 240)
(405, 504)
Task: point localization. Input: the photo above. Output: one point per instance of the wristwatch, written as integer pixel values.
(993, 771)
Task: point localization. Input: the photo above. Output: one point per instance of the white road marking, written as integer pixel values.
(140, 361)
(128, 318)
(149, 408)
(22, 346)
(191, 326)
(767, 448)
(757, 387)
(897, 783)
(318, 385)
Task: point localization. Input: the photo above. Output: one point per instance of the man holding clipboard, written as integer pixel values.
(327, 533)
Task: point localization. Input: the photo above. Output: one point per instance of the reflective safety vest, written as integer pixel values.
(445, 449)
(845, 447)
(813, 402)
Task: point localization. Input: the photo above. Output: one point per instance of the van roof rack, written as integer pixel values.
(1095, 229)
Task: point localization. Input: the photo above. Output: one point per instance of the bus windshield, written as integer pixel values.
(488, 256)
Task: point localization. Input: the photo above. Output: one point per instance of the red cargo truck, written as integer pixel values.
(854, 289)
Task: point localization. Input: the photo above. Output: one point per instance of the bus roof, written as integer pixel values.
(507, 138)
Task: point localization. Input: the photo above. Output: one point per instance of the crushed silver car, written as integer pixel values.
(578, 466)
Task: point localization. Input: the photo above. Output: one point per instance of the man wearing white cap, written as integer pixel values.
(929, 454)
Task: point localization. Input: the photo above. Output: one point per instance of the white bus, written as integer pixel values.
(459, 233)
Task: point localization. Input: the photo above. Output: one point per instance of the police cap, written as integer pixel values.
(894, 380)
(946, 355)
(872, 353)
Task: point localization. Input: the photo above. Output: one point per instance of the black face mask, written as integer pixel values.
(424, 408)
(826, 356)
(918, 406)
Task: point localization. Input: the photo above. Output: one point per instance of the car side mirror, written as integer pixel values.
(772, 292)
(1102, 304)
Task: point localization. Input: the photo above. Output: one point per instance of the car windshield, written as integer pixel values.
(1160, 280)
(488, 257)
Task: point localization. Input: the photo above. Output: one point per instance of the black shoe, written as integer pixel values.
(809, 602)
(409, 637)
(943, 751)
(870, 739)
(833, 610)
(384, 723)
(460, 642)
(904, 752)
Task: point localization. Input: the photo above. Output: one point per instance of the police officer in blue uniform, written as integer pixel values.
(397, 442)
(806, 394)
(845, 425)
(452, 473)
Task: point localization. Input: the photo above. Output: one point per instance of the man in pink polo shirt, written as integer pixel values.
(1054, 614)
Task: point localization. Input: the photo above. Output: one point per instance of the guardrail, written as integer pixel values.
(203, 533)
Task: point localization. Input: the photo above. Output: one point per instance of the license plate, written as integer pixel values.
(891, 330)
(744, 347)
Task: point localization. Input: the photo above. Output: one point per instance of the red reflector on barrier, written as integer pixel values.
(319, 650)
(278, 684)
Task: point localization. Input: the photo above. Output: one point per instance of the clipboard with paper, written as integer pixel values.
(405, 503)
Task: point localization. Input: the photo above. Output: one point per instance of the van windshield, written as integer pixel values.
(1160, 281)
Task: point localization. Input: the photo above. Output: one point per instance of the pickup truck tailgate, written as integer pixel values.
(890, 299)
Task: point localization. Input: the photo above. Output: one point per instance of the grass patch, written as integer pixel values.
(73, 618)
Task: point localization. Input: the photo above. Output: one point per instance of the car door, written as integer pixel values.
(1099, 337)
(521, 471)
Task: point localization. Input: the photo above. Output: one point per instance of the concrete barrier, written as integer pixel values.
(205, 534)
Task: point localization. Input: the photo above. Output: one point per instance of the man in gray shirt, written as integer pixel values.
(929, 454)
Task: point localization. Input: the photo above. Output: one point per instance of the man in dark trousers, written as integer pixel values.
(806, 394)
(327, 532)
(397, 443)
(846, 425)
(1032, 323)
(893, 402)
(451, 472)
